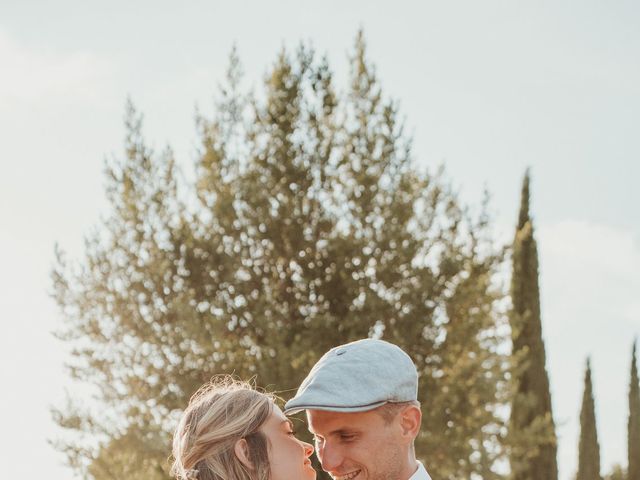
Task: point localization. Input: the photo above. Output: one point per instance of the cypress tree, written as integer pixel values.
(532, 438)
(633, 432)
(588, 449)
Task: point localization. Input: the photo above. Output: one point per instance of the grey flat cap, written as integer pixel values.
(357, 377)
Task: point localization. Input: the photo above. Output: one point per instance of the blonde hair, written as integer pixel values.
(219, 414)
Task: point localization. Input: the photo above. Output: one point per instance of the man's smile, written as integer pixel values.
(348, 476)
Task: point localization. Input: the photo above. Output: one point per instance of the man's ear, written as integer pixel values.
(410, 420)
(241, 449)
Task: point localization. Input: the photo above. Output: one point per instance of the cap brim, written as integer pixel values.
(332, 408)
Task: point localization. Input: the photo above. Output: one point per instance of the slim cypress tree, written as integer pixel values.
(532, 438)
(633, 432)
(588, 449)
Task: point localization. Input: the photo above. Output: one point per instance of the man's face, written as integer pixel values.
(359, 446)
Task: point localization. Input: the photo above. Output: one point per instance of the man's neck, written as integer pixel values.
(410, 469)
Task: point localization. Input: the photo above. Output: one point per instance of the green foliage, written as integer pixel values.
(531, 439)
(588, 447)
(306, 227)
(633, 425)
(617, 473)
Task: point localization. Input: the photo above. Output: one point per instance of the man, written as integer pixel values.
(362, 408)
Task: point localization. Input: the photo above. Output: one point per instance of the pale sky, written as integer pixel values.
(487, 87)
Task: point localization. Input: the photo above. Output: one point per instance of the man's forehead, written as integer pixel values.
(326, 420)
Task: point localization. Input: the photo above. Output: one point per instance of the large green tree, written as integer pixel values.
(532, 439)
(306, 226)
(588, 447)
(633, 425)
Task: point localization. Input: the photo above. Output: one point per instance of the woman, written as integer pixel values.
(230, 431)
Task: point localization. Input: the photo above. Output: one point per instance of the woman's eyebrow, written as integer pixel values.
(288, 422)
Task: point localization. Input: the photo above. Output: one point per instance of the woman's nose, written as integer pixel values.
(308, 449)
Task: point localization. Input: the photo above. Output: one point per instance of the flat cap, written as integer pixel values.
(357, 377)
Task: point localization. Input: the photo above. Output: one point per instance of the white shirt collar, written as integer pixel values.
(421, 473)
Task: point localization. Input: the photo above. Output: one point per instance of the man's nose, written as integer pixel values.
(330, 457)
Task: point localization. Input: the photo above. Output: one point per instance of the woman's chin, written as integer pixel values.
(309, 472)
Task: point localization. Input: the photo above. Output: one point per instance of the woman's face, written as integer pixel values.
(288, 456)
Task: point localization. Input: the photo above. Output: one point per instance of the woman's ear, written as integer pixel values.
(241, 449)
